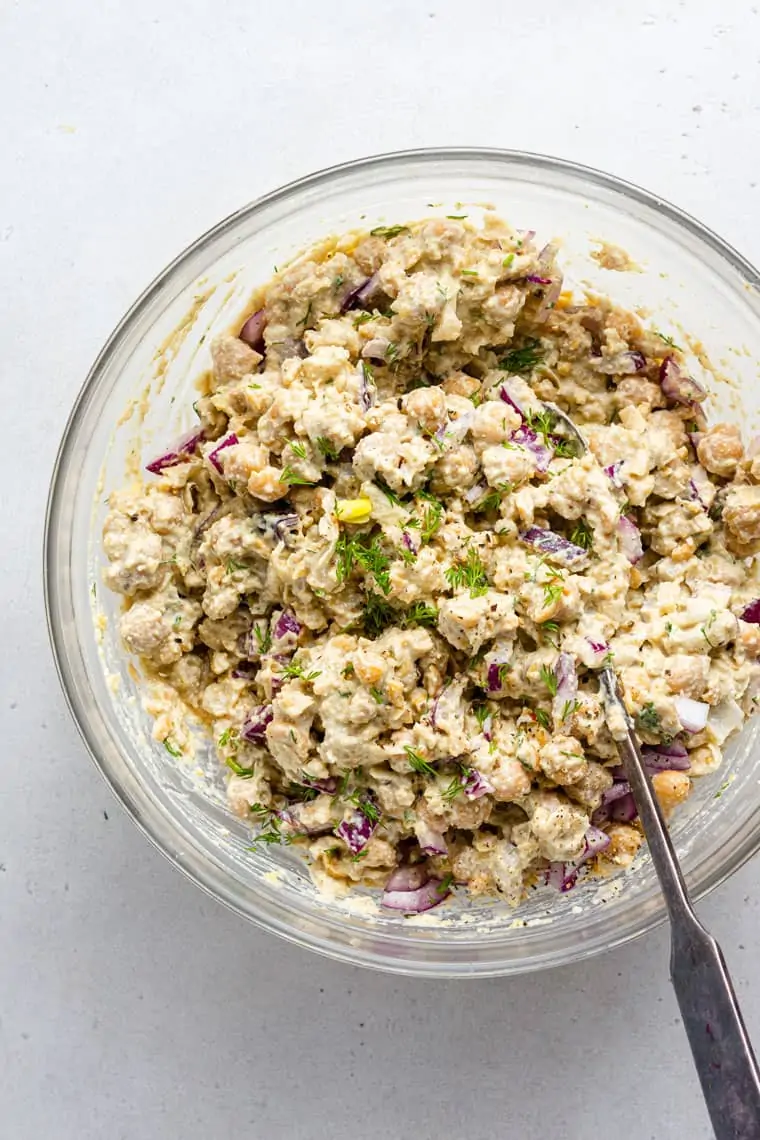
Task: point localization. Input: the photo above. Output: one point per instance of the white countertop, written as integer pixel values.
(131, 1006)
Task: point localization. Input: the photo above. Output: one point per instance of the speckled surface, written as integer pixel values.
(131, 1006)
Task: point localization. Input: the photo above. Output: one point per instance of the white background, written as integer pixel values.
(131, 1006)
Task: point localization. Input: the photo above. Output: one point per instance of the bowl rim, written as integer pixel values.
(198, 873)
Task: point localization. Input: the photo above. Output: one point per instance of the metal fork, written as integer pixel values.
(721, 1048)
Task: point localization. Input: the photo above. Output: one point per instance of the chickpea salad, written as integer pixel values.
(428, 496)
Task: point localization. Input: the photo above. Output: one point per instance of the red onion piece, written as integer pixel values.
(356, 831)
(230, 440)
(691, 714)
(665, 758)
(495, 672)
(567, 685)
(527, 438)
(751, 613)
(408, 877)
(286, 623)
(504, 394)
(599, 648)
(475, 493)
(677, 386)
(409, 542)
(329, 785)
(621, 364)
(255, 726)
(432, 842)
(619, 789)
(488, 728)
(453, 432)
(630, 540)
(415, 902)
(596, 842)
(252, 331)
(613, 474)
(536, 280)
(694, 495)
(624, 810)
(177, 453)
(554, 546)
(475, 784)
(360, 295)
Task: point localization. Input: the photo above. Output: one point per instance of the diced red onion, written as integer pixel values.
(624, 810)
(356, 831)
(366, 390)
(564, 876)
(495, 672)
(292, 817)
(328, 786)
(505, 395)
(596, 842)
(527, 438)
(548, 268)
(599, 648)
(613, 474)
(557, 876)
(285, 624)
(567, 685)
(694, 495)
(252, 331)
(453, 432)
(358, 297)
(475, 493)
(554, 546)
(677, 386)
(619, 789)
(447, 712)
(621, 364)
(630, 540)
(230, 440)
(432, 842)
(475, 784)
(751, 613)
(255, 727)
(409, 542)
(536, 280)
(488, 728)
(408, 877)
(665, 758)
(692, 714)
(177, 453)
(415, 902)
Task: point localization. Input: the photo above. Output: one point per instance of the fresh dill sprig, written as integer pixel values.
(297, 448)
(171, 747)
(239, 769)
(389, 231)
(326, 447)
(582, 535)
(263, 638)
(470, 574)
(549, 679)
(291, 478)
(417, 762)
(390, 495)
(519, 360)
(452, 790)
(293, 670)
(543, 718)
(358, 550)
(491, 501)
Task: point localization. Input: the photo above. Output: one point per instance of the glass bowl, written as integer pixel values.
(138, 395)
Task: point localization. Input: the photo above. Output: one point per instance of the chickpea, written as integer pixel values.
(266, 485)
(427, 406)
(460, 384)
(624, 843)
(671, 789)
(720, 449)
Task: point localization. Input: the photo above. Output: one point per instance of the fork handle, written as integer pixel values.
(721, 1048)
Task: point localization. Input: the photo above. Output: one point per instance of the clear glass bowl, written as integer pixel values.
(139, 394)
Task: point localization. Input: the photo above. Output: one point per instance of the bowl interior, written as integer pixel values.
(139, 395)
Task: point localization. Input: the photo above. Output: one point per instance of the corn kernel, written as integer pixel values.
(353, 510)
